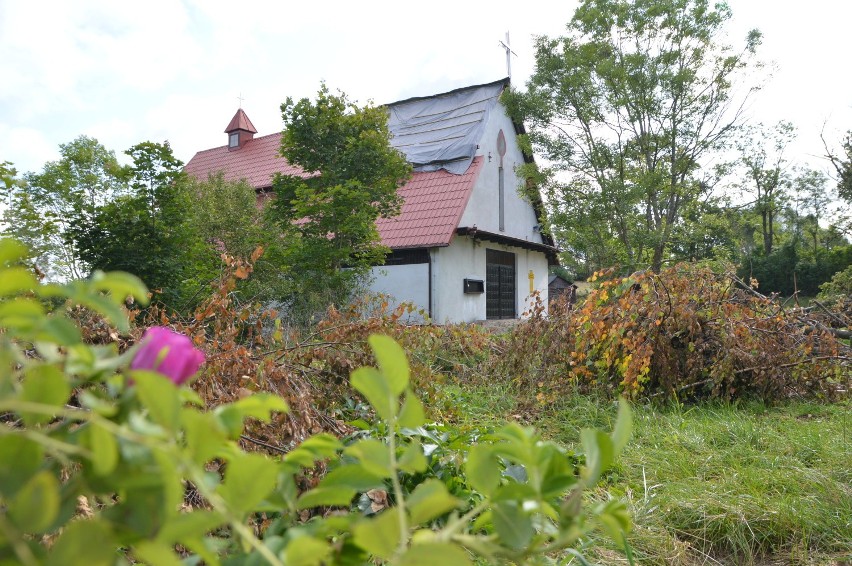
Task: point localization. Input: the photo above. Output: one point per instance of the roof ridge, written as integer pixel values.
(258, 138)
(504, 81)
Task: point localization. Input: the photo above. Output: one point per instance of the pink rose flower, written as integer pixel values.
(169, 353)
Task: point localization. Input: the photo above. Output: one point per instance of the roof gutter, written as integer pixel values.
(477, 234)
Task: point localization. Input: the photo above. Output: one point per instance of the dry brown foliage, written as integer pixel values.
(686, 332)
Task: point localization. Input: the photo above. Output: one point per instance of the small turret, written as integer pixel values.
(239, 130)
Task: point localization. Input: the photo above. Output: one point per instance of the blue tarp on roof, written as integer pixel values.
(442, 131)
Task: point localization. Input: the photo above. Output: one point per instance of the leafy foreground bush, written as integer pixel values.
(96, 461)
(686, 332)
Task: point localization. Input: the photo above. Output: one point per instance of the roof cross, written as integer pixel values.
(509, 53)
(240, 98)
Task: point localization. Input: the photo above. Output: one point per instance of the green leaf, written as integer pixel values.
(513, 526)
(518, 443)
(188, 396)
(102, 305)
(483, 469)
(258, 406)
(623, 427)
(11, 251)
(431, 553)
(312, 449)
(97, 405)
(353, 476)
(321, 445)
(36, 505)
(87, 542)
(430, 500)
(412, 414)
(334, 496)
(120, 285)
(380, 535)
(556, 485)
(185, 526)
(80, 360)
(157, 553)
(46, 385)
(143, 508)
(104, 448)
(249, 478)
(286, 491)
(513, 492)
(373, 385)
(413, 461)
(61, 331)
(598, 448)
(392, 362)
(373, 455)
(16, 280)
(204, 436)
(19, 460)
(307, 551)
(22, 312)
(159, 396)
(615, 519)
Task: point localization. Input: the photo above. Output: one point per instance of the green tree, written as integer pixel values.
(228, 218)
(766, 173)
(54, 206)
(145, 232)
(351, 175)
(709, 230)
(628, 107)
(810, 200)
(20, 216)
(226, 215)
(842, 163)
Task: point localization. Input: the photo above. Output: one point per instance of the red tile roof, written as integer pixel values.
(240, 121)
(433, 201)
(255, 162)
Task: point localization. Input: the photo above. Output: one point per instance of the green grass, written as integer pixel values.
(714, 484)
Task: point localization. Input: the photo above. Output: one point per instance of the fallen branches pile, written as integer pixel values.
(686, 332)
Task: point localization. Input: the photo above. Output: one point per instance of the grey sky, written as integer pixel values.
(125, 72)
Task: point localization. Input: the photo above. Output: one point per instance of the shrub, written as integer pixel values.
(839, 288)
(102, 464)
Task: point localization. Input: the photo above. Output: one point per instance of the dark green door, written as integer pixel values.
(499, 284)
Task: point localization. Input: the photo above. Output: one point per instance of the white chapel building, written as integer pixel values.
(466, 246)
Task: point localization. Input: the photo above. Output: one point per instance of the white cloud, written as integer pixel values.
(168, 69)
(26, 148)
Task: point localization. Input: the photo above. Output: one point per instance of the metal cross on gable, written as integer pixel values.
(507, 46)
(240, 98)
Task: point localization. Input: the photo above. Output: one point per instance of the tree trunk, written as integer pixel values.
(766, 215)
(657, 260)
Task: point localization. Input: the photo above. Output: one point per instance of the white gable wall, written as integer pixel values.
(465, 258)
(482, 209)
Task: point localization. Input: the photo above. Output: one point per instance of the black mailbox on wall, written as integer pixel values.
(474, 286)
